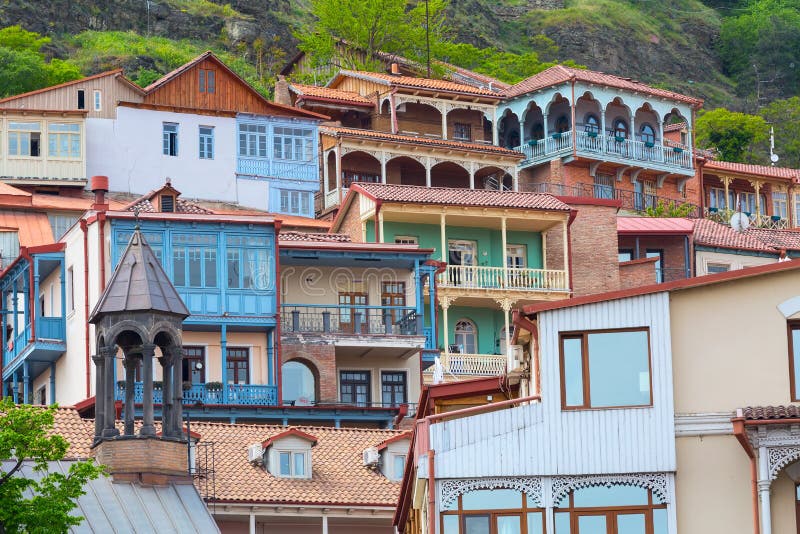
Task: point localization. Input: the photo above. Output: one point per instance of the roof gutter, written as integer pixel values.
(741, 435)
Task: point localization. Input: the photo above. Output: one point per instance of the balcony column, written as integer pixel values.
(764, 484)
(176, 366)
(442, 231)
(566, 255)
(108, 354)
(726, 183)
(325, 174)
(25, 382)
(381, 238)
(522, 132)
(546, 132)
(505, 250)
(495, 131)
(338, 152)
(99, 395)
(428, 172)
(472, 175)
(223, 347)
(443, 111)
(148, 355)
(603, 125)
(505, 305)
(445, 301)
(130, 369)
(37, 306)
(383, 167)
(757, 188)
(15, 388)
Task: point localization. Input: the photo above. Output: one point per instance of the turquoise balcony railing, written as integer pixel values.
(238, 394)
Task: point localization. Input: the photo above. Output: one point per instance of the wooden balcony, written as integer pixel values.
(503, 279)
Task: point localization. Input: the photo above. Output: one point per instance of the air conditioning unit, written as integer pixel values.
(255, 453)
(371, 457)
(517, 353)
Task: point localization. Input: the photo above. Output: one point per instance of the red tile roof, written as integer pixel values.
(791, 411)
(416, 83)
(713, 234)
(289, 433)
(559, 74)
(777, 239)
(744, 168)
(314, 237)
(385, 136)
(312, 92)
(459, 197)
(654, 225)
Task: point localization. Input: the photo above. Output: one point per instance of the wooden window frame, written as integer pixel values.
(368, 382)
(388, 298)
(792, 325)
(406, 240)
(611, 513)
(584, 336)
(384, 373)
(199, 354)
(521, 512)
(229, 358)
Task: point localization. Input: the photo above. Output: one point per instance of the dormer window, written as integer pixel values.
(292, 464)
(394, 452)
(167, 203)
(288, 454)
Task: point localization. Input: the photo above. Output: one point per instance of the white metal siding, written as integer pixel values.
(541, 439)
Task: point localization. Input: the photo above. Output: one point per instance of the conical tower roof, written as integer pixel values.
(139, 284)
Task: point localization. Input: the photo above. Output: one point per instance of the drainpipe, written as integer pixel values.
(100, 188)
(277, 341)
(84, 229)
(431, 489)
(574, 130)
(741, 436)
(572, 215)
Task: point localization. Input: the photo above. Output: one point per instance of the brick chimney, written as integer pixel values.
(395, 69)
(99, 185)
(282, 95)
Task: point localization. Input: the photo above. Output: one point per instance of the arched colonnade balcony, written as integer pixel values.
(603, 124)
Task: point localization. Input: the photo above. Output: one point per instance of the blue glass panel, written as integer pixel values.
(562, 523)
(509, 524)
(299, 464)
(500, 499)
(592, 524)
(285, 463)
(619, 369)
(617, 495)
(476, 524)
(573, 372)
(535, 523)
(450, 524)
(631, 524)
(660, 521)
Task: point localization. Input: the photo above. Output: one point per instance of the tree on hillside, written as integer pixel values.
(23, 66)
(42, 504)
(370, 26)
(784, 115)
(734, 135)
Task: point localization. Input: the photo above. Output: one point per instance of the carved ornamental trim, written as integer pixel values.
(452, 488)
(657, 482)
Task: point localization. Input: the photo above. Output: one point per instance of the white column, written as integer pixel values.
(506, 305)
(495, 133)
(515, 179)
(763, 490)
(472, 175)
(252, 523)
(382, 238)
(383, 168)
(505, 251)
(324, 524)
(603, 127)
(442, 220)
(443, 111)
(522, 133)
(544, 127)
(445, 302)
(566, 257)
(325, 184)
(428, 172)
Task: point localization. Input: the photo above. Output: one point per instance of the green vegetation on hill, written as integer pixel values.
(23, 66)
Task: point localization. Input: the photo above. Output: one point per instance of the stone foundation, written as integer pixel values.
(143, 458)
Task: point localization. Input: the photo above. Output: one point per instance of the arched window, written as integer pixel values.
(298, 384)
(592, 125)
(562, 124)
(497, 510)
(620, 128)
(466, 336)
(537, 132)
(648, 134)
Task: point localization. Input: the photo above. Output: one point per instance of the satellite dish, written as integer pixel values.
(774, 158)
(740, 222)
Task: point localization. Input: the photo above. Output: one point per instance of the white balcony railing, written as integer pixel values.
(474, 364)
(501, 278)
(332, 198)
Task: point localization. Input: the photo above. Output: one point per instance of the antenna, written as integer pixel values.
(773, 157)
(739, 221)
(428, 36)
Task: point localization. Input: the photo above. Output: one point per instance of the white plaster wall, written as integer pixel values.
(129, 151)
(252, 193)
(735, 261)
(321, 285)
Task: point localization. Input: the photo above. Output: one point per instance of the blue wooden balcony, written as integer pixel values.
(211, 394)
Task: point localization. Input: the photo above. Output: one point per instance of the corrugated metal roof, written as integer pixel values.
(123, 507)
(33, 228)
(654, 225)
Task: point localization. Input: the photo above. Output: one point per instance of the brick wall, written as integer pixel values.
(594, 250)
(554, 247)
(674, 252)
(351, 223)
(637, 273)
(319, 356)
(143, 455)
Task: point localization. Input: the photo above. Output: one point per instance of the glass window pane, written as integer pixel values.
(299, 464)
(619, 369)
(603, 496)
(179, 267)
(509, 524)
(592, 524)
(233, 269)
(298, 383)
(398, 466)
(195, 267)
(535, 523)
(573, 371)
(285, 465)
(450, 523)
(562, 523)
(659, 520)
(631, 524)
(210, 256)
(476, 524)
(497, 499)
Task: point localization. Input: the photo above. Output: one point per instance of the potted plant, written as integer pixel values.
(557, 135)
(157, 384)
(619, 138)
(591, 134)
(214, 386)
(649, 144)
(677, 149)
(533, 142)
(187, 384)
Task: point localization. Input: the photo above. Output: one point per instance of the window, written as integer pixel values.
(603, 186)
(64, 141)
(167, 203)
(406, 240)
(98, 100)
(394, 294)
(24, 139)
(206, 80)
(494, 511)
(713, 268)
(462, 252)
(248, 265)
(516, 256)
(620, 128)
(398, 466)
(81, 99)
(238, 365)
(352, 317)
(779, 204)
(170, 139)
(292, 464)
(295, 202)
(562, 124)
(298, 384)
(648, 134)
(794, 359)
(659, 254)
(462, 131)
(293, 143)
(70, 289)
(616, 508)
(354, 387)
(393, 388)
(644, 195)
(624, 254)
(194, 260)
(605, 369)
(206, 142)
(716, 199)
(592, 125)
(466, 337)
(41, 396)
(61, 223)
(194, 361)
(253, 140)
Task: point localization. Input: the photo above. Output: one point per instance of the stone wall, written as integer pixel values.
(319, 356)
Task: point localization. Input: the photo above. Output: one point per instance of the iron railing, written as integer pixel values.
(348, 319)
(238, 394)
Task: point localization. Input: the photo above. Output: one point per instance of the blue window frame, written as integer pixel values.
(170, 139)
(206, 142)
(253, 140)
(295, 144)
(295, 202)
(194, 260)
(248, 264)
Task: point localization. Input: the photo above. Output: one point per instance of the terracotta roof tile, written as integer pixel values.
(329, 93)
(77, 431)
(559, 74)
(744, 168)
(314, 236)
(421, 83)
(385, 136)
(788, 239)
(790, 411)
(713, 234)
(181, 206)
(460, 197)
